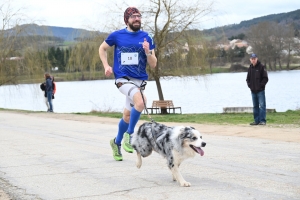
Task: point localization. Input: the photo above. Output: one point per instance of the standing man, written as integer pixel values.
(43, 88)
(134, 48)
(257, 79)
(49, 90)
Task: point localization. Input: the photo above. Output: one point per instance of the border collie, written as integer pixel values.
(173, 143)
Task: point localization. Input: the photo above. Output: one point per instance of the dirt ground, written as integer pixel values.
(284, 133)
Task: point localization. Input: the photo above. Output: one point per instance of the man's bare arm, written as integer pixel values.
(103, 56)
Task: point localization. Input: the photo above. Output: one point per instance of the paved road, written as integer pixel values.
(61, 159)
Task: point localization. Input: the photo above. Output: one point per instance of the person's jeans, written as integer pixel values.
(259, 106)
(49, 97)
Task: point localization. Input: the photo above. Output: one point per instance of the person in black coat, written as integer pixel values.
(257, 78)
(49, 90)
(43, 88)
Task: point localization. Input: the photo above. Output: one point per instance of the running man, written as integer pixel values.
(133, 49)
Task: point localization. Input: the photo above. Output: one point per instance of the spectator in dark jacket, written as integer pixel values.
(257, 79)
(43, 88)
(49, 90)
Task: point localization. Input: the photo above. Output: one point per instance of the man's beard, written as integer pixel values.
(134, 28)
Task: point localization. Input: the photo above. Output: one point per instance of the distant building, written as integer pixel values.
(238, 43)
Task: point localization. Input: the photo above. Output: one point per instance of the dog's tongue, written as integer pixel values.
(200, 151)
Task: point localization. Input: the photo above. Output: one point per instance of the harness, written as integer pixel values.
(141, 87)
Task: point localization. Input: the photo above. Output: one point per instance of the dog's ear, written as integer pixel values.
(193, 128)
(184, 132)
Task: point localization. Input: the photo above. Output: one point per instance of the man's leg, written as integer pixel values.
(47, 104)
(52, 104)
(134, 104)
(255, 107)
(116, 142)
(134, 118)
(49, 96)
(262, 107)
(123, 126)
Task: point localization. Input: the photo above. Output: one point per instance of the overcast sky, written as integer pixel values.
(90, 13)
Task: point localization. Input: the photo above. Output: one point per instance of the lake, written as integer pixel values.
(201, 94)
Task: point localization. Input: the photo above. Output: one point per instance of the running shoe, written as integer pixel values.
(116, 150)
(127, 143)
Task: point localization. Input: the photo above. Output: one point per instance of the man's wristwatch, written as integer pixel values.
(149, 54)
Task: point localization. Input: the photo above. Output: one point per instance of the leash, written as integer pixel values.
(145, 107)
(152, 121)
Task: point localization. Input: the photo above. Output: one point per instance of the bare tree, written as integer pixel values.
(272, 42)
(19, 58)
(260, 38)
(211, 57)
(297, 46)
(8, 67)
(168, 20)
(279, 37)
(289, 44)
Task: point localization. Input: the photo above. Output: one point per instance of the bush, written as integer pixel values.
(238, 68)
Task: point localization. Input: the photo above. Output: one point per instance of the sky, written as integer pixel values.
(90, 14)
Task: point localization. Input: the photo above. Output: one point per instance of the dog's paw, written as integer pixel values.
(185, 184)
(173, 177)
(138, 163)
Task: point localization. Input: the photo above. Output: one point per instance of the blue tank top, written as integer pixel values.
(130, 42)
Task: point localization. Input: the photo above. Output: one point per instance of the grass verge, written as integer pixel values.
(288, 117)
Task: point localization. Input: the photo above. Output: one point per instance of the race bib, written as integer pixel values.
(129, 58)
